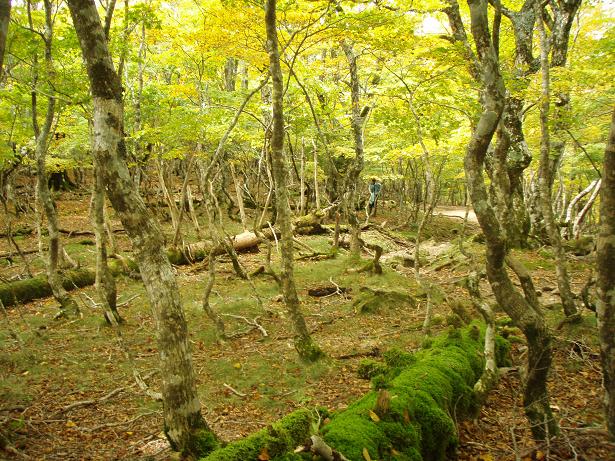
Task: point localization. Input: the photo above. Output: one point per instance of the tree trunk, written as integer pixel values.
(105, 283)
(316, 190)
(67, 303)
(5, 16)
(356, 167)
(580, 218)
(568, 220)
(238, 181)
(536, 399)
(605, 261)
(306, 348)
(545, 175)
(185, 427)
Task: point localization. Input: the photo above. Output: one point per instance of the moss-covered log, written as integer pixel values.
(412, 412)
(273, 442)
(23, 291)
(409, 416)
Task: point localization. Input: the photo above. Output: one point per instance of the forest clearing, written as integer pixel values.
(307, 230)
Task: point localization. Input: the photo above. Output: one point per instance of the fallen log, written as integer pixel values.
(274, 441)
(26, 290)
(408, 416)
(200, 250)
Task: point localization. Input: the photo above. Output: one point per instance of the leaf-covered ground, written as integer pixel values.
(67, 389)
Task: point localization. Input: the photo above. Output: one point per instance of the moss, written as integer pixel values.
(454, 320)
(416, 422)
(368, 368)
(502, 352)
(308, 350)
(396, 358)
(23, 291)
(372, 300)
(204, 441)
(277, 439)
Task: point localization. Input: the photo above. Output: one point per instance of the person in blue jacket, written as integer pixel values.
(374, 192)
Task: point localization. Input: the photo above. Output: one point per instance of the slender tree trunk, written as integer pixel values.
(568, 220)
(536, 399)
(580, 218)
(5, 16)
(316, 190)
(605, 261)
(42, 134)
(545, 182)
(185, 427)
(105, 283)
(302, 180)
(237, 181)
(355, 169)
(306, 348)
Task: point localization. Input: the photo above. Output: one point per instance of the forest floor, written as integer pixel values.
(67, 391)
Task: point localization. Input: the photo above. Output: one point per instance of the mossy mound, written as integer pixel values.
(276, 440)
(371, 301)
(410, 415)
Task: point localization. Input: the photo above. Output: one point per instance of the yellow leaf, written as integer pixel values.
(373, 416)
(366, 455)
(237, 365)
(485, 457)
(70, 423)
(540, 455)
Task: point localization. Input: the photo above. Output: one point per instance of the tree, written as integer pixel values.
(605, 261)
(527, 317)
(5, 16)
(355, 169)
(42, 136)
(544, 178)
(185, 427)
(304, 344)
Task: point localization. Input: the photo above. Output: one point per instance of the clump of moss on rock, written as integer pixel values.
(277, 440)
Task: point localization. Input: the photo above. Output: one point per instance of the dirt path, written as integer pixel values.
(455, 212)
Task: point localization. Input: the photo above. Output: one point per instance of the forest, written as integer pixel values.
(361, 230)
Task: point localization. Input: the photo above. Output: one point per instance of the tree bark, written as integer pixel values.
(184, 425)
(304, 344)
(67, 303)
(356, 167)
(536, 399)
(105, 283)
(5, 16)
(544, 181)
(605, 262)
(580, 218)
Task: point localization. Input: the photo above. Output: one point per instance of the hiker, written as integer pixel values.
(374, 192)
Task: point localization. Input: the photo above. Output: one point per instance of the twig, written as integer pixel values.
(84, 403)
(275, 237)
(253, 323)
(234, 391)
(124, 303)
(122, 423)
